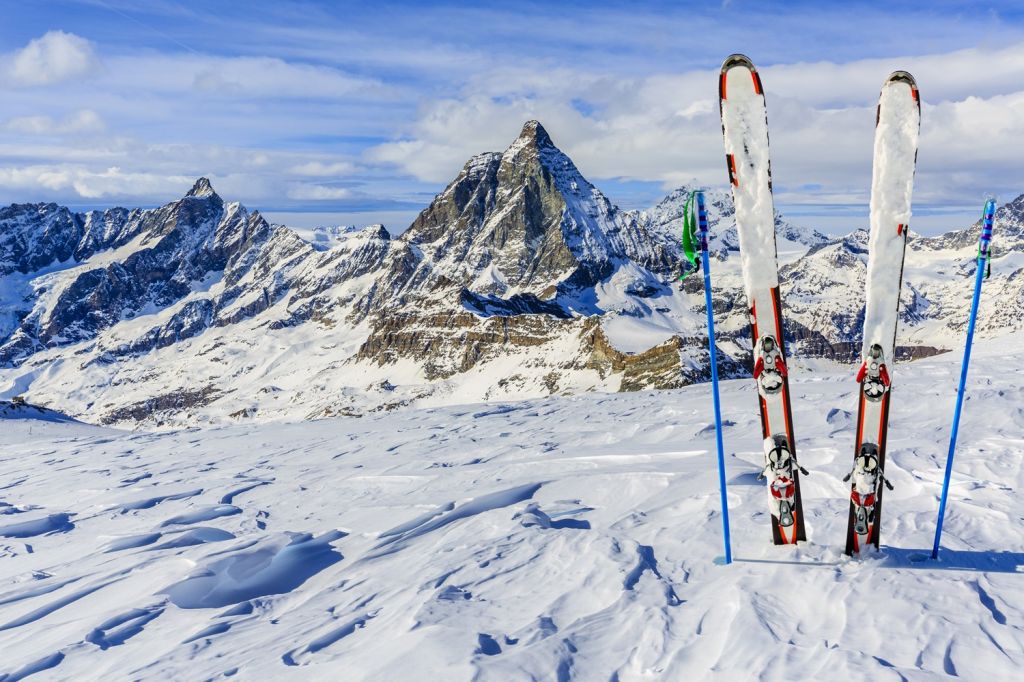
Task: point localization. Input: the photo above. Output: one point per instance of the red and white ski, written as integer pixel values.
(897, 126)
(745, 131)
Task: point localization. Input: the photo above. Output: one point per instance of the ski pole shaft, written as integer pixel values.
(702, 225)
(983, 254)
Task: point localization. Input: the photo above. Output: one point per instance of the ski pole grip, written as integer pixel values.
(986, 228)
(702, 221)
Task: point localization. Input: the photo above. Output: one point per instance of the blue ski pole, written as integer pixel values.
(702, 226)
(983, 255)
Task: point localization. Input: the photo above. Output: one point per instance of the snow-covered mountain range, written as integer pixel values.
(519, 280)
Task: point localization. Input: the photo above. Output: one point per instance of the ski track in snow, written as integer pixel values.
(563, 538)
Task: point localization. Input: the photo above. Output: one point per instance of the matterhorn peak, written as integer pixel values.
(533, 133)
(202, 188)
(534, 146)
(533, 140)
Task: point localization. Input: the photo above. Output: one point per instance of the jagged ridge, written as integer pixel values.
(519, 279)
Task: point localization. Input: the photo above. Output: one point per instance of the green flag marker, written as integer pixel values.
(690, 235)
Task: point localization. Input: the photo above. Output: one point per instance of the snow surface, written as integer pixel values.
(562, 538)
(892, 182)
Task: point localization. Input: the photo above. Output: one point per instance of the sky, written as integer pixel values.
(356, 112)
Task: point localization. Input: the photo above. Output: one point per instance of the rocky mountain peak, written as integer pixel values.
(534, 150)
(534, 139)
(201, 189)
(535, 135)
(1012, 211)
(517, 223)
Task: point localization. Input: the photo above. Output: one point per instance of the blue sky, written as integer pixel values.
(360, 112)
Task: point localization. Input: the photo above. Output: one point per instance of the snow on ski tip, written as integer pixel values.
(745, 133)
(897, 128)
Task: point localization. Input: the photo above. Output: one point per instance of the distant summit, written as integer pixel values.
(202, 188)
(534, 133)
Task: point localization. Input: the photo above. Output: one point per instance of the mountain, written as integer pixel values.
(90, 272)
(520, 279)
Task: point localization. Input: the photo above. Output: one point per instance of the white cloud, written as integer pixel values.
(319, 192)
(88, 184)
(127, 170)
(53, 58)
(666, 127)
(81, 121)
(239, 77)
(943, 76)
(321, 169)
(59, 57)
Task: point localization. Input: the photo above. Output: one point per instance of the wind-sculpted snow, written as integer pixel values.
(202, 514)
(278, 566)
(147, 502)
(449, 514)
(132, 541)
(568, 538)
(119, 629)
(196, 536)
(44, 663)
(54, 523)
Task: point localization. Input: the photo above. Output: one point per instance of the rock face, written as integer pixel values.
(163, 254)
(520, 279)
(508, 256)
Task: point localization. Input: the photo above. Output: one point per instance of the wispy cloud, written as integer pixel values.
(322, 169)
(239, 77)
(88, 184)
(81, 121)
(318, 192)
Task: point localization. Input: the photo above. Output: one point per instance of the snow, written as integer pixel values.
(558, 538)
(326, 237)
(277, 567)
(53, 523)
(892, 182)
(745, 129)
(639, 323)
(203, 514)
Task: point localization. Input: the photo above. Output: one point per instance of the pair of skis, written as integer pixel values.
(745, 132)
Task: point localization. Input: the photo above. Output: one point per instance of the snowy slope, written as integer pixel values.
(562, 538)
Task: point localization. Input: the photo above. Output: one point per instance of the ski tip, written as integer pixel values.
(905, 78)
(737, 59)
(901, 77)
